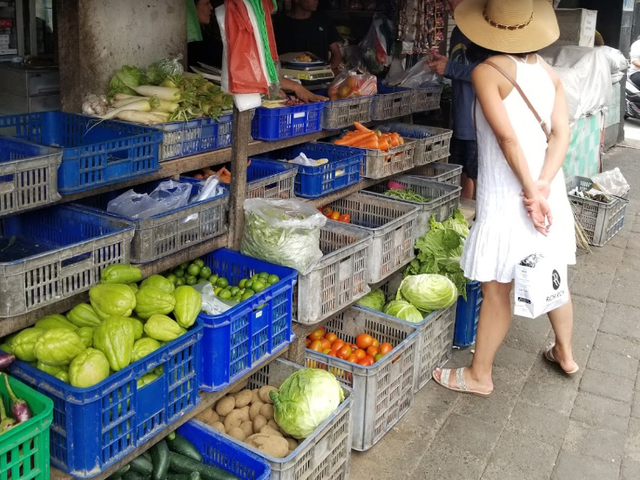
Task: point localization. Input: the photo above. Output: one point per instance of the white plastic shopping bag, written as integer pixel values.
(541, 285)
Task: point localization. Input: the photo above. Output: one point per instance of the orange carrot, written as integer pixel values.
(383, 144)
(353, 139)
(360, 127)
(369, 143)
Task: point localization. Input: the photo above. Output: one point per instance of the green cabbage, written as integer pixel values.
(124, 79)
(374, 300)
(305, 400)
(428, 292)
(404, 311)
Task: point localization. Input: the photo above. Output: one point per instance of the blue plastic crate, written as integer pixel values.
(219, 452)
(467, 315)
(94, 154)
(247, 334)
(181, 139)
(270, 124)
(95, 427)
(314, 182)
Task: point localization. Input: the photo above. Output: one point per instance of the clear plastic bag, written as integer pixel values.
(211, 304)
(420, 75)
(376, 45)
(612, 182)
(284, 232)
(350, 84)
(169, 195)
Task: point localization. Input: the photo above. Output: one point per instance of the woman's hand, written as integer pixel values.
(307, 96)
(539, 211)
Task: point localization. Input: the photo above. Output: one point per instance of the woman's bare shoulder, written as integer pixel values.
(549, 69)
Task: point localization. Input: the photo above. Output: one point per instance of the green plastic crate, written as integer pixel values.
(24, 449)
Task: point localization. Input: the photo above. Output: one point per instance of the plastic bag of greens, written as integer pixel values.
(284, 232)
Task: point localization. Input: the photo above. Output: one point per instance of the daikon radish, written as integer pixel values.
(123, 96)
(145, 118)
(162, 93)
(139, 106)
(127, 101)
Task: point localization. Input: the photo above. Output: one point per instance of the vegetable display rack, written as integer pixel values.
(250, 332)
(600, 221)
(390, 102)
(339, 278)
(392, 225)
(342, 113)
(272, 124)
(24, 449)
(54, 253)
(426, 98)
(28, 175)
(383, 392)
(467, 315)
(95, 427)
(93, 153)
(181, 139)
(267, 179)
(448, 173)
(172, 231)
(432, 143)
(444, 199)
(324, 455)
(379, 164)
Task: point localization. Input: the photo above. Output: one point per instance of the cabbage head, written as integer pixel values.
(404, 311)
(124, 79)
(305, 400)
(428, 292)
(374, 300)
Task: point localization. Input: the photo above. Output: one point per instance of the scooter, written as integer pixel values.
(632, 98)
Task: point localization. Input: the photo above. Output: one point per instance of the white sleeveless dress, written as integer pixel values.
(503, 234)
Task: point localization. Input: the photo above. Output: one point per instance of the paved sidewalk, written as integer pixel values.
(539, 424)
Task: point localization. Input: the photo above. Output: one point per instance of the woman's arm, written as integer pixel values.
(336, 57)
(299, 91)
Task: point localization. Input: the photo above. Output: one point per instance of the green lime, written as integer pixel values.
(224, 294)
(180, 281)
(193, 270)
(199, 262)
(263, 275)
(222, 282)
(172, 278)
(246, 296)
(258, 285)
(191, 280)
(184, 265)
(248, 284)
(242, 283)
(216, 290)
(273, 279)
(235, 290)
(205, 272)
(255, 277)
(179, 272)
(237, 298)
(249, 291)
(213, 279)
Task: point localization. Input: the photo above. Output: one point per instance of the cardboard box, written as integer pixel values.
(577, 26)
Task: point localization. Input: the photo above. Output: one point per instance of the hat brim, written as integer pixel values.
(540, 33)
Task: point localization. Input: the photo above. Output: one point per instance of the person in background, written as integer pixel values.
(634, 62)
(209, 49)
(458, 68)
(303, 29)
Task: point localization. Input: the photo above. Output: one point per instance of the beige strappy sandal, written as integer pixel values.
(462, 385)
(548, 354)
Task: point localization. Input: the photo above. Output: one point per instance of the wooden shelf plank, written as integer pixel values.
(207, 399)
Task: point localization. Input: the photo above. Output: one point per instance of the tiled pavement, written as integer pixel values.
(539, 424)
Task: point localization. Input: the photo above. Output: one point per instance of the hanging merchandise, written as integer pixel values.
(376, 46)
(421, 25)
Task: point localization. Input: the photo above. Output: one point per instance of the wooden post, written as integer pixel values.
(239, 147)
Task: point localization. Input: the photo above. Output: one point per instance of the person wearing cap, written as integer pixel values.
(522, 205)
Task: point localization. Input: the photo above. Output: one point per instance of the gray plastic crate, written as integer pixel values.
(445, 199)
(28, 175)
(342, 113)
(383, 392)
(278, 185)
(339, 278)
(325, 455)
(379, 164)
(433, 148)
(392, 224)
(391, 105)
(600, 221)
(427, 98)
(449, 173)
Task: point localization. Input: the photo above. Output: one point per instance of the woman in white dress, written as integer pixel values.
(522, 205)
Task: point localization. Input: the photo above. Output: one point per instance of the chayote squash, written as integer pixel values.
(115, 338)
(58, 346)
(108, 300)
(62, 375)
(88, 369)
(163, 329)
(138, 327)
(7, 348)
(55, 321)
(51, 370)
(120, 273)
(144, 347)
(86, 334)
(153, 301)
(160, 282)
(146, 379)
(83, 315)
(188, 305)
(134, 287)
(24, 344)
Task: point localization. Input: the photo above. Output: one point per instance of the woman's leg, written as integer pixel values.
(562, 322)
(493, 324)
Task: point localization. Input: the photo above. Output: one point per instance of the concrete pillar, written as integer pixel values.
(96, 37)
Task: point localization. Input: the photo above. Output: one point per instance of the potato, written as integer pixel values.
(293, 443)
(205, 416)
(225, 405)
(243, 398)
(254, 411)
(244, 414)
(214, 416)
(267, 411)
(272, 423)
(258, 423)
(264, 393)
(269, 430)
(247, 428)
(271, 445)
(219, 426)
(237, 433)
(234, 419)
(255, 398)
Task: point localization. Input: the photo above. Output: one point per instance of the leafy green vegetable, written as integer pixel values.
(440, 249)
(428, 293)
(404, 311)
(125, 78)
(305, 400)
(408, 195)
(374, 300)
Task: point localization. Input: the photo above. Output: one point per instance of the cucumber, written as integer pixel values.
(146, 455)
(195, 476)
(181, 445)
(142, 465)
(119, 473)
(133, 475)
(160, 457)
(177, 476)
(182, 464)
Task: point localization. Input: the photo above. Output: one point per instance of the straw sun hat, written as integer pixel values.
(509, 26)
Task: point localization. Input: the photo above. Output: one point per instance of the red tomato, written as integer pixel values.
(326, 344)
(326, 211)
(385, 348)
(332, 337)
(317, 334)
(337, 345)
(345, 218)
(378, 357)
(307, 342)
(344, 352)
(316, 345)
(326, 351)
(332, 353)
(366, 361)
(364, 340)
(353, 358)
(360, 353)
(371, 351)
(375, 343)
(335, 215)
